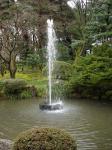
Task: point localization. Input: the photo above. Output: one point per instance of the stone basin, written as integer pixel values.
(51, 107)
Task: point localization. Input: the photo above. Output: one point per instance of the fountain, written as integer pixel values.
(15, 1)
(51, 51)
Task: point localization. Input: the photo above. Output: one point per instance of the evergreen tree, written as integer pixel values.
(99, 28)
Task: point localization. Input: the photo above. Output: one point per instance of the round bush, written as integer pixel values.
(14, 86)
(44, 139)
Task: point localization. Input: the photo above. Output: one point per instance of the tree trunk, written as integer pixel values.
(2, 70)
(12, 67)
(12, 74)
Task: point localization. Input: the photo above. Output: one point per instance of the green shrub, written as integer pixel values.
(14, 87)
(105, 50)
(25, 94)
(28, 92)
(63, 70)
(1, 88)
(1, 85)
(41, 86)
(91, 77)
(109, 94)
(58, 89)
(44, 139)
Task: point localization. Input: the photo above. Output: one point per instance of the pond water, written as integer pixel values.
(89, 121)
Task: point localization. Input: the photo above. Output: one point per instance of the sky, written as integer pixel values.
(71, 3)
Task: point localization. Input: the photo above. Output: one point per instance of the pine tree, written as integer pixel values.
(99, 28)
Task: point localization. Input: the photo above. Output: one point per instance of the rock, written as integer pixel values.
(5, 144)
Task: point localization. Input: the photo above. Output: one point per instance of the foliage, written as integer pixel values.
(29, 92)
(63, 52)
(62, 70)
(92, 77)
(14, 87)
(99, 27)
(45, 138)
(1, 85)
(25, 94)
(105, 50)
(58, 89)
(35, 79)
(86, 27)
(41, 86)
(32, 60)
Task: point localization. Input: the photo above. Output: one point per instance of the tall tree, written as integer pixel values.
(99, 28)
(11, 41)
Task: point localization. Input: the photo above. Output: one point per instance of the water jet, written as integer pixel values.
(51, 56)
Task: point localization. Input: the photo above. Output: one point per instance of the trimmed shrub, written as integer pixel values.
(14, 87)
(44, 139)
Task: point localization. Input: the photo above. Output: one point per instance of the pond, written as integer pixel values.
(89, 121)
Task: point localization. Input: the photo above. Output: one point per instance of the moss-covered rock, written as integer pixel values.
(44, 139)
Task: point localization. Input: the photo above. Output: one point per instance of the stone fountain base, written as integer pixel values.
(51, 107)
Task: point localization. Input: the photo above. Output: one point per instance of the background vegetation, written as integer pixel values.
(84, 57)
